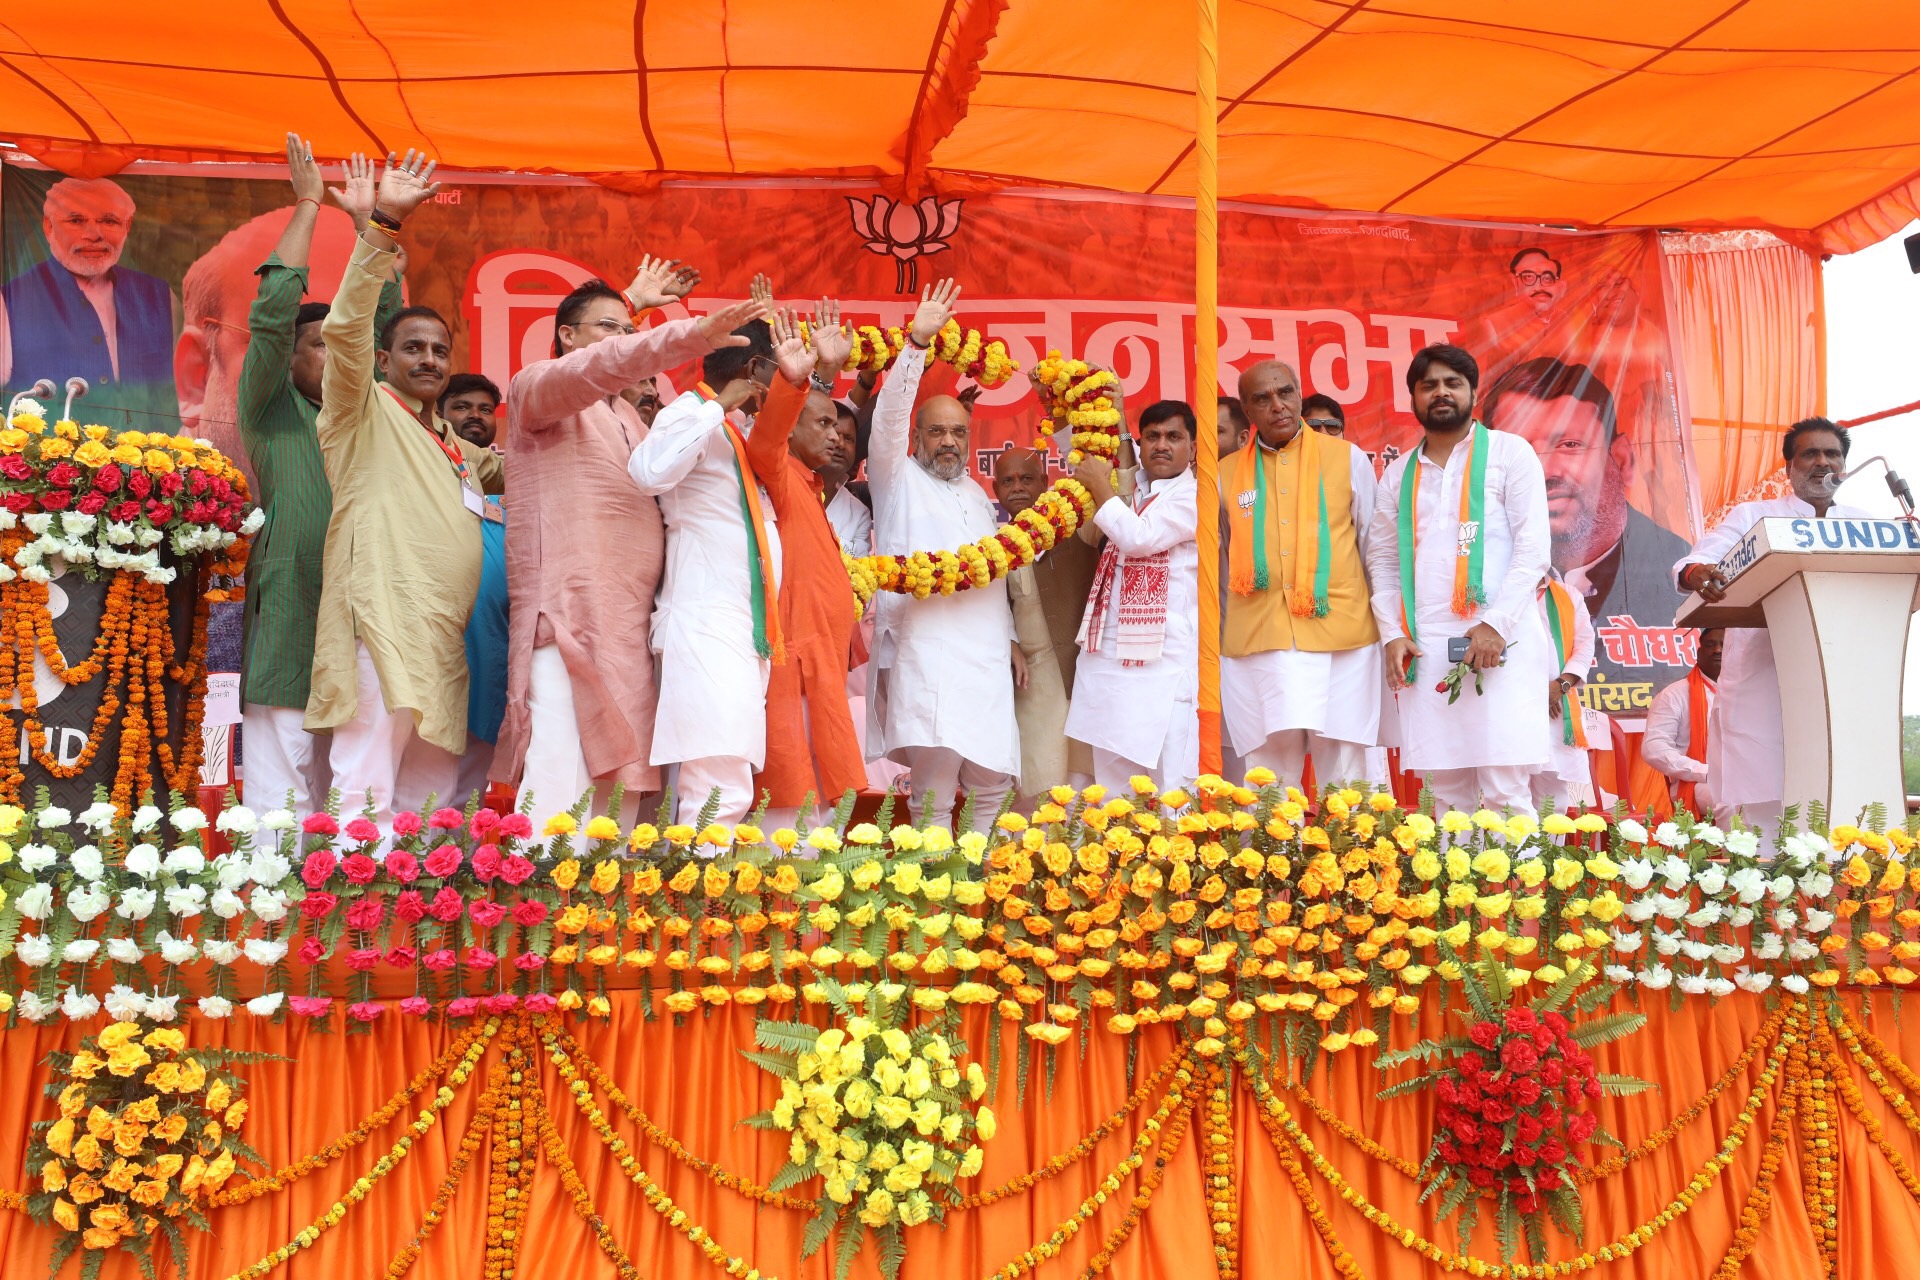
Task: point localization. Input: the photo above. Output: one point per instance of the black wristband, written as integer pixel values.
(384, 220)
(917, 346)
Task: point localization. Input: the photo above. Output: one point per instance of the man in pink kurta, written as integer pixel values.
(585, 549)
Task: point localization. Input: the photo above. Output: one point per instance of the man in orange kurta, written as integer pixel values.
(811, 745)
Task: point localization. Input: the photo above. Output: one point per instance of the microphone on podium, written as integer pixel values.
(41, 390)
(76, 387)
(1902, 492)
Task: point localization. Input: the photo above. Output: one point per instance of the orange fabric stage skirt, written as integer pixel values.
(693, 1083)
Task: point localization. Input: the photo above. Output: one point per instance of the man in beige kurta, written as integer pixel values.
(402, 562)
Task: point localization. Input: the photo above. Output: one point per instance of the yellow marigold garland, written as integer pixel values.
(482, 1124)
(985, 360)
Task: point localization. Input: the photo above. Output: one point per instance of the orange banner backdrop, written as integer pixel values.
(691, 1081)
(1571, 329)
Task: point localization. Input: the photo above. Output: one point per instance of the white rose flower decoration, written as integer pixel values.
(36, 901)
(215, 1007)
(87, 902)
(266, 1006)
(143, 860)
(87, 862)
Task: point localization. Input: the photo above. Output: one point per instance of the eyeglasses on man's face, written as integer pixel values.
(1531, 278)
(611, 326)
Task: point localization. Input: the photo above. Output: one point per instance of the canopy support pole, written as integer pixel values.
(1206, 369)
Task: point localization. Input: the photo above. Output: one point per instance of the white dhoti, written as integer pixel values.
(281, 762)
(380, 762)
(1284, 704)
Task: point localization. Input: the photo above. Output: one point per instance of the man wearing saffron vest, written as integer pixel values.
(811, 747)
(1675, 743)
(1458, 547)
(716, 625)
(941, 698)
(1137, 677)
(1567, 777)
(1300, 665)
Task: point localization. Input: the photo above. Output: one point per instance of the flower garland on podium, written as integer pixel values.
(106, 505)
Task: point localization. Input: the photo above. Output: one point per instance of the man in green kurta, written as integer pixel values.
(279, 403)
(403, 547)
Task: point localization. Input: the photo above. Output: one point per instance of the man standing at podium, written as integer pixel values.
(1746, 757)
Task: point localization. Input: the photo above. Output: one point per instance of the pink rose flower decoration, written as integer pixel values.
(400, 957)
(320, 824)
(406, 824)
(318, 868)
(481, 958)
(310, 1006)
(366, 1011)
(403, 866)
(529, 913)
(447, 905)
(502, 1003)
(367, 912)
(446, 820)
(541, 1002)
(310, 951)
(464, 1007)
(516, 869)
(362, 831)
(440, 961)
(528, 961)
(443, 861)
(486, 913)
(410, 906)
(516, 826)
(416, 1006)
(360, 869)
(486, 862)
(361, 959)
(485, 823)
(318, 905)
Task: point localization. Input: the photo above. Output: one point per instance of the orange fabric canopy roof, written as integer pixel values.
(1804, 119)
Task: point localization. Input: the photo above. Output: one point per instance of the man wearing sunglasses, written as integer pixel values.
(1324, 414)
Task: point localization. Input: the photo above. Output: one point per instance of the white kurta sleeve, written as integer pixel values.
(674, 446)
(1365, 491)
(1383, 548)
(1720, 539)
(890, 446)
(1168, 521)
(1664, 745)
(1523, 496)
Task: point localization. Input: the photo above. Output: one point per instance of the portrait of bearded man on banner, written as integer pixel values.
(1618, 558)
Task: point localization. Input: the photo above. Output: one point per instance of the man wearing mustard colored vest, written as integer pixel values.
(1300, 666)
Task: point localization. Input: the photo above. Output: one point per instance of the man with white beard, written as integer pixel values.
(1746, 757)
(944, 668)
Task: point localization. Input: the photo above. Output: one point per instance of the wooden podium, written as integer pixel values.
(1836, 596)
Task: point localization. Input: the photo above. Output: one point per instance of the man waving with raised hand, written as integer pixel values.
(941, 698)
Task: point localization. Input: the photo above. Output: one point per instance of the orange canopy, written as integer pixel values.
(1676, 113)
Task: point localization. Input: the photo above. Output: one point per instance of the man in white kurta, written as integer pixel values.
(1667, 744)
(1305, 681)
(1746, 759)
(1137, 678)
(941, 697)
(712, 717)
(1567, 777)
(1485, 747)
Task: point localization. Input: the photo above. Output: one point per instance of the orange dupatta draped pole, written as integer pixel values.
(1206, 368)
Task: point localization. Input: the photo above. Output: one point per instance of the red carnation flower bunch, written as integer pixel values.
(1513, 1105)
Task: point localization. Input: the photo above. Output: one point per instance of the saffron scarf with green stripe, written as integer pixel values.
(767, 640)
(1561, 622)
(1249, 567)
(1469, 565)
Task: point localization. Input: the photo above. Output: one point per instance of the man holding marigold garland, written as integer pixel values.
(944, 668)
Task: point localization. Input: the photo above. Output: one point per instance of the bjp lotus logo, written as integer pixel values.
(906, 230)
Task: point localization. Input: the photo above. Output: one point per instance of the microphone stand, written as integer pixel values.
(1902, 492)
